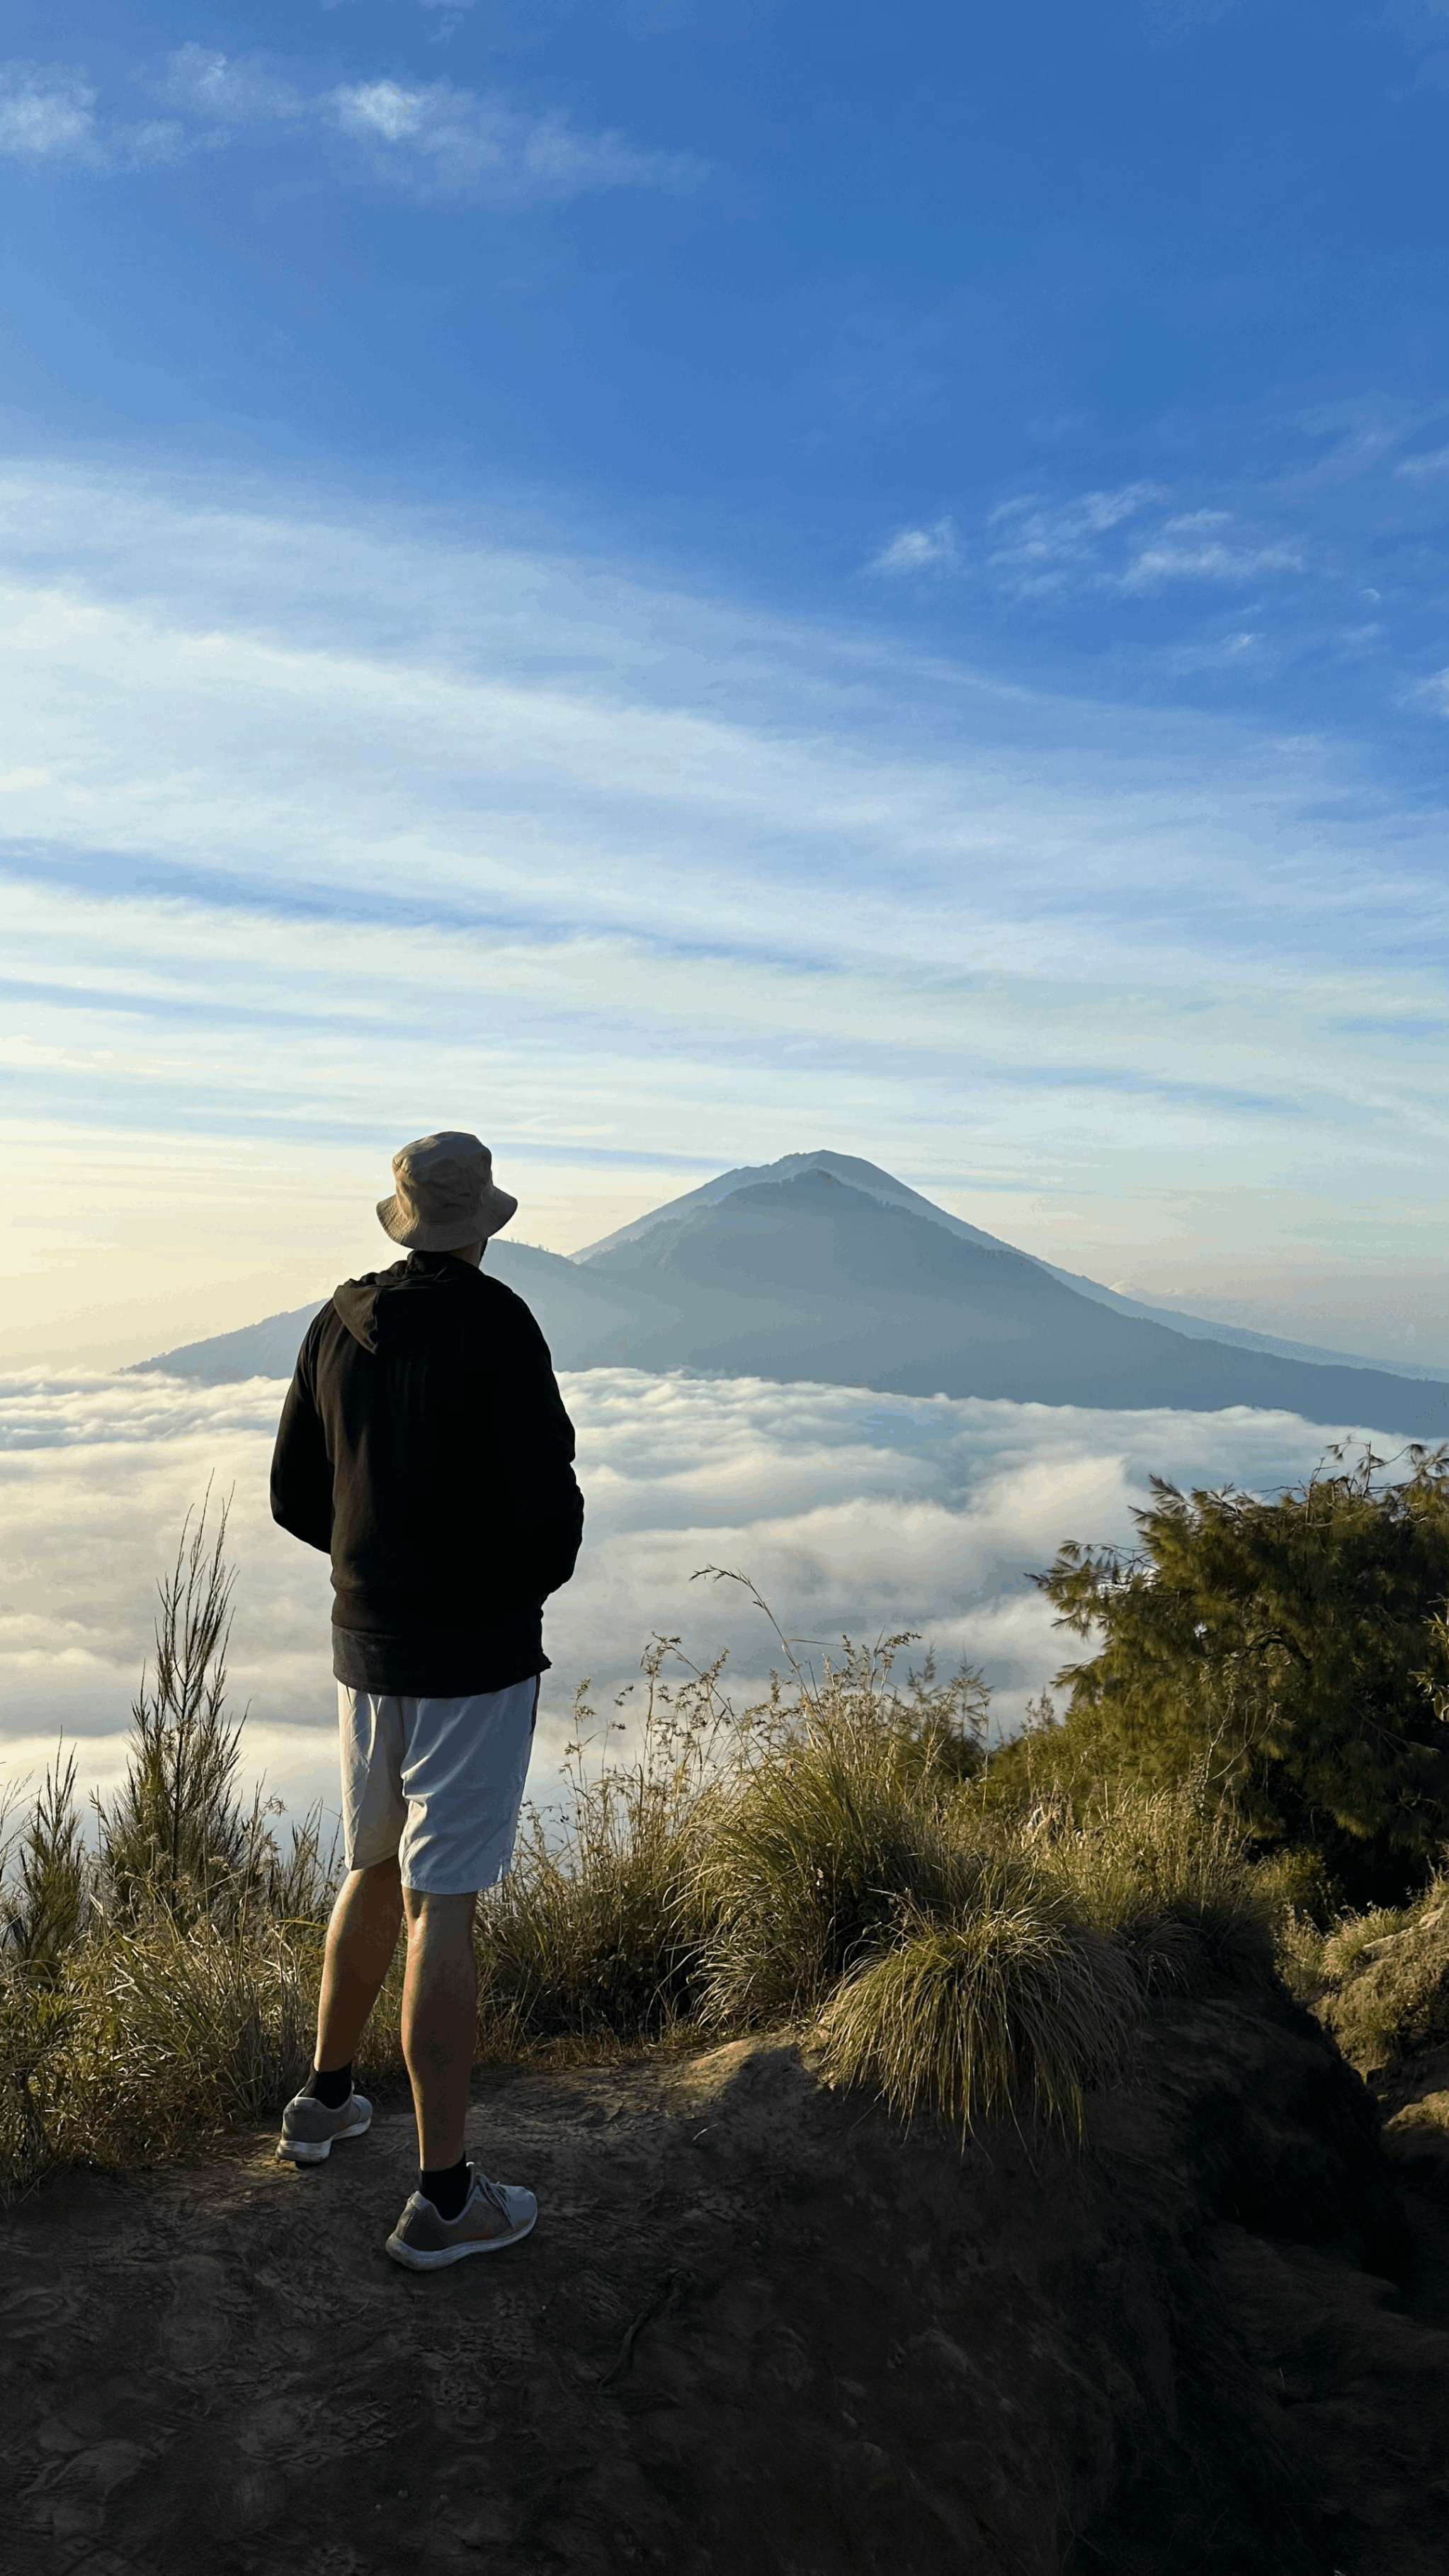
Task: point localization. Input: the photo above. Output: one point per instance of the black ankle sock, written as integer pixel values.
(446, 2186)
(332, 2089)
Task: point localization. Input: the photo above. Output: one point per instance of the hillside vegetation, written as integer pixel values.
(1256, 1749)
(1292, 1653)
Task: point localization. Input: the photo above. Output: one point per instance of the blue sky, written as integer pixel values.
(681, 582)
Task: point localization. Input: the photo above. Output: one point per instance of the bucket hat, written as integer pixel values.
(445, 1195)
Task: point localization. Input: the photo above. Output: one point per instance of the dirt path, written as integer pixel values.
(756, 2330)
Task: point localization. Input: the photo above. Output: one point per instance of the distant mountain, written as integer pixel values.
(812, 1277)
(824, 1267)
(893, 1193)
(590, 1321)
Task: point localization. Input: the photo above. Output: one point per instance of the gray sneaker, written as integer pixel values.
(310, 2131)
(493, 2215)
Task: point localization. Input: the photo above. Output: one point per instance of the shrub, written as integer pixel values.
(166, 1981)
(42, 1910)
(1292, 1652)
(176, 1832)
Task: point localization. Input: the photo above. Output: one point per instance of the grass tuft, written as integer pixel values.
(1007, 2006)
(179, 2028)
(1384, 1980)
(841, 1815)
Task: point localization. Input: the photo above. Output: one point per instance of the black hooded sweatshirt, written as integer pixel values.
(424, 1446)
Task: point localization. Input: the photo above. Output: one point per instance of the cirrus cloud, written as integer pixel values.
(919, 549)
(48, 114)
(435, 139)
(1211, 560)
(440, 140)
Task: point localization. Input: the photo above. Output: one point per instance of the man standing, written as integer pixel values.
(424, 1446)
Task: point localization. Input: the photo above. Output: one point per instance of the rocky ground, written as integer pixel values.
(758, 2332)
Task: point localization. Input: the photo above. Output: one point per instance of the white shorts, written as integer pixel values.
(438, 1781)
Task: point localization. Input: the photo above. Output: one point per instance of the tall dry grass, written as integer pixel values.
(595, 1932)
(157, 1979)
(829, 1860)
(1165, 1874)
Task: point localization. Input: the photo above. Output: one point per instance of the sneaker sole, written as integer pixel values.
(315, 2151)
(414, 2261)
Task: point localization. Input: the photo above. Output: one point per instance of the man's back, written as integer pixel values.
(425, 1446)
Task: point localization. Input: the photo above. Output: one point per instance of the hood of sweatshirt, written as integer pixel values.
(396, 1309)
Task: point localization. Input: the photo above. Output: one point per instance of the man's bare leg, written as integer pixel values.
(361, 1939)
(455, 2211)
(440, 2020)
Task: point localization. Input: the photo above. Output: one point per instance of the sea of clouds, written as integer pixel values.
(852, 1512)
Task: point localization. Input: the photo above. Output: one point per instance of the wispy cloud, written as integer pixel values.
(1219, 653)
(1211, 561)
(433, 138)
(919, 549)
(1041, 544)
(1436, 462)
(48, 114)
(229, 92)
(438, 140)
(451, 16)
(1096, 540)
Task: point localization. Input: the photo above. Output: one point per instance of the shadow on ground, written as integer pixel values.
(759, 2332)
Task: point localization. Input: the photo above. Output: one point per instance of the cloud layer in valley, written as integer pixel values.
(850, 1511)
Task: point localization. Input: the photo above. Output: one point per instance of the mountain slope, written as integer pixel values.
(810, 1278)
(869, 1178)
(1154, 2350)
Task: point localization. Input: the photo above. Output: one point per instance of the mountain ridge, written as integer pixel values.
(884, 1185)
